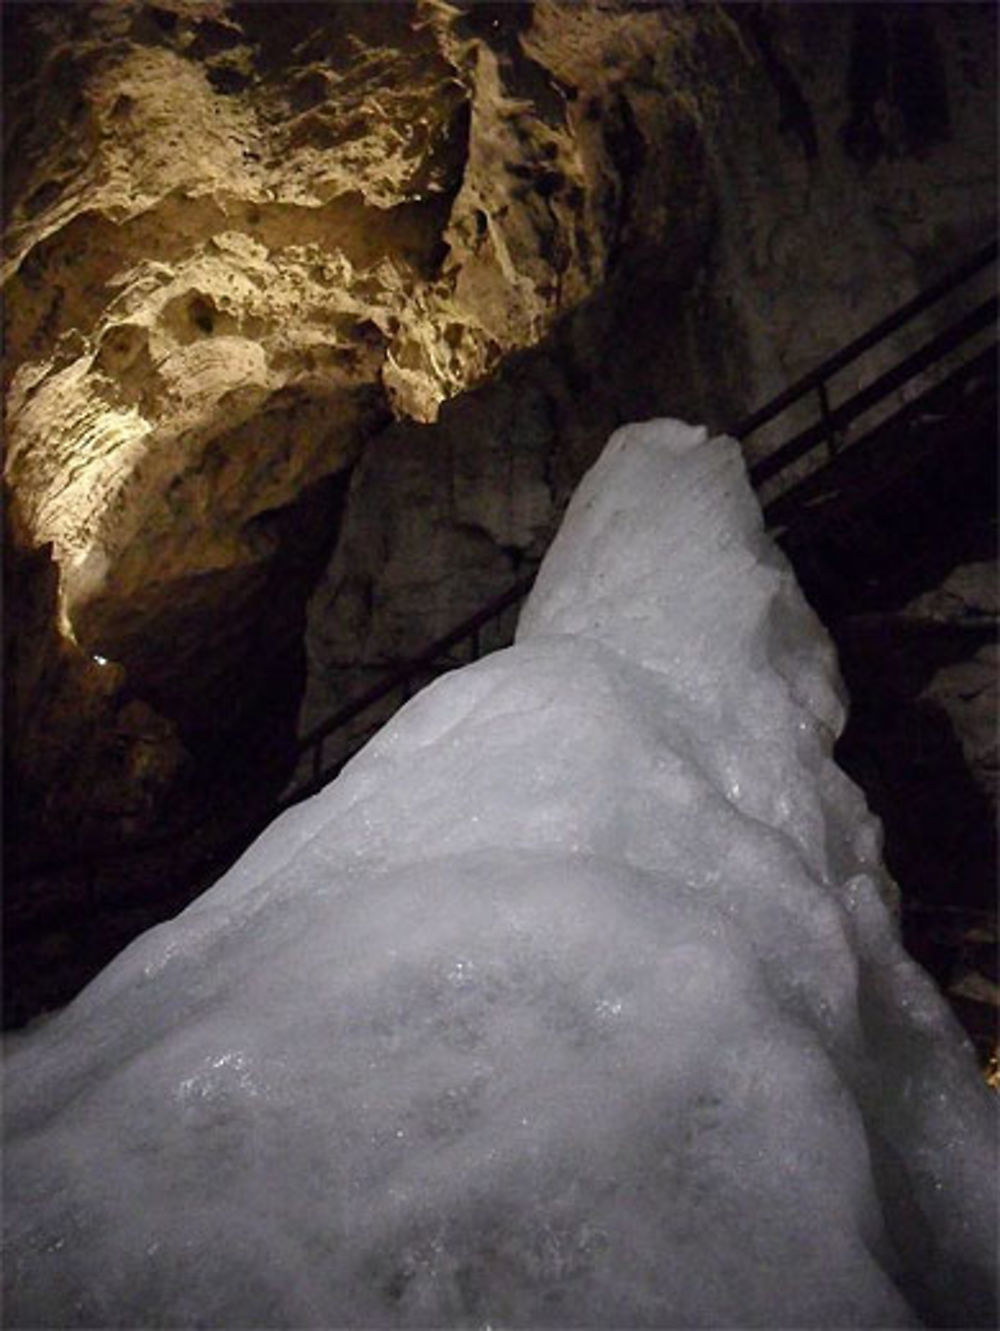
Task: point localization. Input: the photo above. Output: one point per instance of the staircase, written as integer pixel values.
(847, 497)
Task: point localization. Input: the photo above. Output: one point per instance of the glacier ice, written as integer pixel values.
(576, 1000)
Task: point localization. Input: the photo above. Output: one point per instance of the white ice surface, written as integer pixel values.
(575, 1001)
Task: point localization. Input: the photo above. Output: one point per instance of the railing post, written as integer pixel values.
(826, 415)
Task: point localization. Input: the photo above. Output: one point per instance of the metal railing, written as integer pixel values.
(401, 681)
(832, 422)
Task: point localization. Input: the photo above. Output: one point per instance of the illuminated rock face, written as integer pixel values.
(575, 1001)
(242, 239)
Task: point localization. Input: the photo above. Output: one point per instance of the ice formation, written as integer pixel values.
(575, 1001)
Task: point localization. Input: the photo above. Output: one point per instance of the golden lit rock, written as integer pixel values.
(237, 246)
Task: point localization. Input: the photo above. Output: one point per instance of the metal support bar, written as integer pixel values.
(826, 416)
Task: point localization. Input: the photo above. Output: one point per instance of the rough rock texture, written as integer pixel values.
(966, 690)
(875, 172)
(434, 252)
(968, 694)
(241, 237)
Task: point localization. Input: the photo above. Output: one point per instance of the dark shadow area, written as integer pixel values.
(868, 534)
(71, 903)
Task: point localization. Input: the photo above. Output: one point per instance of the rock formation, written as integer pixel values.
(240, 241)
(361, 288)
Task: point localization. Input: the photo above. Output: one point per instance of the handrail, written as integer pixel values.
(468, 629)
(961, 406)
(825, 431)
(878, 333)
(835, 419)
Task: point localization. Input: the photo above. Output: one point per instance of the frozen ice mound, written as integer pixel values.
(575, 1001)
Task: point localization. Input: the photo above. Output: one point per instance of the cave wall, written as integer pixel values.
(241, 239)
(315, 314)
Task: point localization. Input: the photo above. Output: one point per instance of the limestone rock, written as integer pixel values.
(966, 689)
(242, 236)
(969, 595)
(449, 245)
(968, 693)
